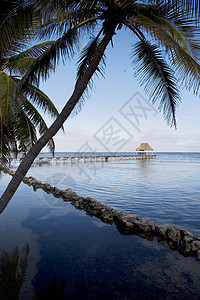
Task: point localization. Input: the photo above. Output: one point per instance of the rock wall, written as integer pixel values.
(177, 238)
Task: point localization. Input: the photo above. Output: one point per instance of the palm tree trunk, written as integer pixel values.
(54, 128)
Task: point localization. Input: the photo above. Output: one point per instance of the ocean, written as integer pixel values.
(91, 259)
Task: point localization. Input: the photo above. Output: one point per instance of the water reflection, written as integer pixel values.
(53, 292)
(13, 271)
(13, 267)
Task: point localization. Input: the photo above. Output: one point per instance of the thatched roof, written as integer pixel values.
(144, 147)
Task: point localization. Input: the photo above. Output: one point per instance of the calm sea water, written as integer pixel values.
(91, 258)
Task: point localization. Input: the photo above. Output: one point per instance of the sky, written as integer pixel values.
(117, 116)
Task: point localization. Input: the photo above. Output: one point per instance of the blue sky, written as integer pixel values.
(103, 124)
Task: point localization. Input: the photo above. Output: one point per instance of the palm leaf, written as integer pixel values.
(36, 120)
(186, 67)
(40, 100)
(17, 28)
(191, 6)
(19, 118)
(7, 88)
(24, 129)
(44, 64)
(157, 78)
(19, 66)
(35, 51)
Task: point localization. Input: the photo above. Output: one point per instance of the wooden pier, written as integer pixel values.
(84, 158)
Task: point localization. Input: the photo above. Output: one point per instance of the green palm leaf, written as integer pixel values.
(35, 51)
(18, 66)
(17, 28)
(40, 100)
(157, 78)
(177, 47)
(192, 7)
(36, 120)
(47, 62)
(7, 88)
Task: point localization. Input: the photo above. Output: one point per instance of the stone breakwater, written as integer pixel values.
(129, 224)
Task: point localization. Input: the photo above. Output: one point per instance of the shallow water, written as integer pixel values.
(94, 259)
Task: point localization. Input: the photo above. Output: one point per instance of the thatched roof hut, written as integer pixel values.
(144, 147)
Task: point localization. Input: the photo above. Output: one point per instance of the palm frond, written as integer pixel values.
(157, 78)
(24, 129)
(19, 119)
(36, 119)
(61, 21)
(17, 133)
(8, 143)
(191, 6)
(34, 51)
(40, 100)
(180, 54)
(19, 66)
(7, 88)
(16, 28)
(47, 62)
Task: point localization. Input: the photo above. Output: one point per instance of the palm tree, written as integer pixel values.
(19, 116)
(166, 27)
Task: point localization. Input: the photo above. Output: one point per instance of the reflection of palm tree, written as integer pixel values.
(168, 23)
(52, 292)
(12, 272)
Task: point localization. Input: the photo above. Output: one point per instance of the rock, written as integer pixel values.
(25, 180)
(68, 190)
(186, 233)
(125, 220)
(145, 225)
(185, 245)
(162, 240)
(92, 202)
(10, 172)
(68, 194)
(174, 234)
(77, 198)
(121, 214)
(107, 215)
(131, 218)
(78, 203)
(32, 178)
(57, 193)
(172, 245)
(33, 182)
(187, 239)
(195, 245)
(146, 235)
(47, 187)
(162, 229)
(37, 183)
(198, 254)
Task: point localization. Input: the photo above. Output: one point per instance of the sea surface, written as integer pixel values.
(83, 258)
